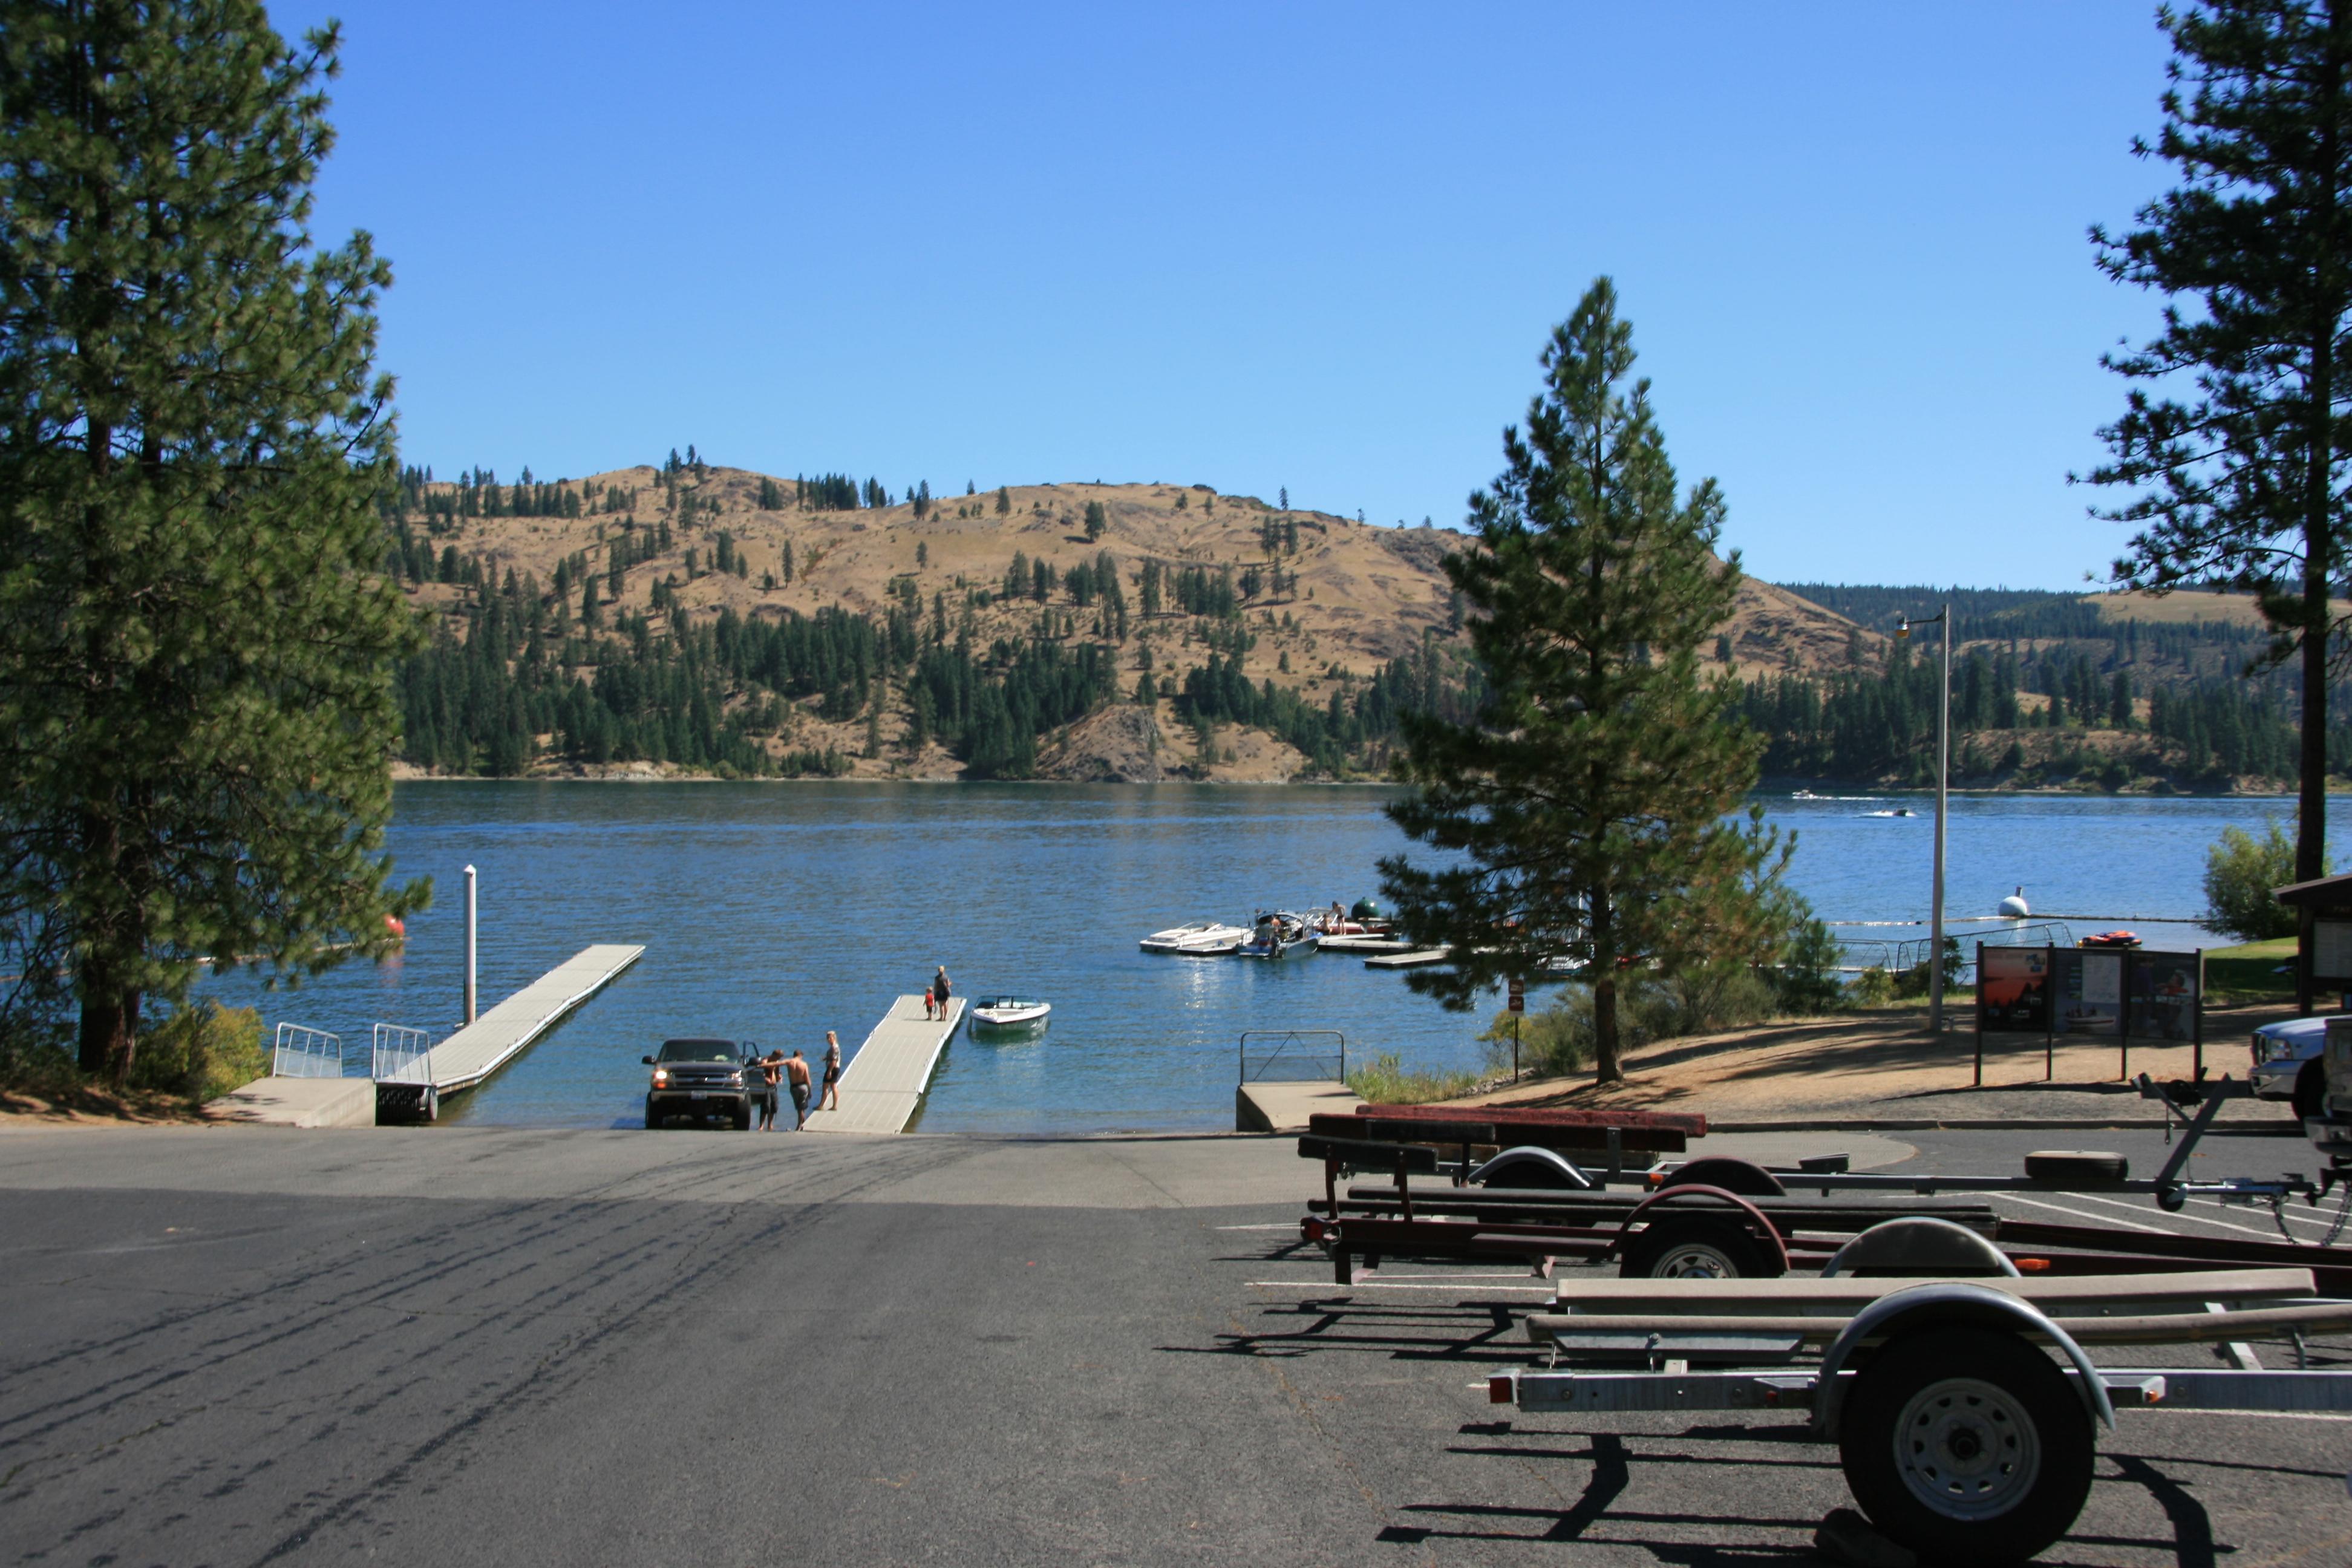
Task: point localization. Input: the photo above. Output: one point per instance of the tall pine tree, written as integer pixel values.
(2239, 439)
(1580, 814)
(195, 634)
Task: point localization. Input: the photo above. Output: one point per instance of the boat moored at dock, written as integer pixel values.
(1008, 1013)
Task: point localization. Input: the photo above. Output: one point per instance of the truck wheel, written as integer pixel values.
(2310, 1087)
(652, 1117)
(1693, 1249)
(743, 1119)
(1967, 1445)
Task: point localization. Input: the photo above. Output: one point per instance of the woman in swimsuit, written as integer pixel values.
(832, 1098)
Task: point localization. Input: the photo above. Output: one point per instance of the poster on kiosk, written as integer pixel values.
(2013, 990)
(2090, 992)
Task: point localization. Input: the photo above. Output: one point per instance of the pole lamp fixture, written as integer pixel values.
(1943, 777)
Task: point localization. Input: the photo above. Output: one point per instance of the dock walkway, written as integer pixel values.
(883, 1083)
(492, 1040)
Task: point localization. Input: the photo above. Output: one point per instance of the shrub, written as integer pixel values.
(202, 1052)
(1807, 979)
(1386, 1082)
(2240, 872)
(1873, 988)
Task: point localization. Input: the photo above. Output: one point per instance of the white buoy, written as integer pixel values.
(2014, 907)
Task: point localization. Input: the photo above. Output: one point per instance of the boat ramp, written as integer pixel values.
(885, 1081)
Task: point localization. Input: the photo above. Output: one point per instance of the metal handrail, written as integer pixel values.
(306, 1053)
(401, 1054)
(1286, 1039)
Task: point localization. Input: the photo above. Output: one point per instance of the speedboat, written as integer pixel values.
(1201, 939)
(1278, 935)
(1010, 1013)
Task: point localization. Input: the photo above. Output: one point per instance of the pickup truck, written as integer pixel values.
(2287, 1063)
(701, 1078)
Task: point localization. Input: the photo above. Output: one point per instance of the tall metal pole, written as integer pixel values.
(471, 938)
(1943, 774)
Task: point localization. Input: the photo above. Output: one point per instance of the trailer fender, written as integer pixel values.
(1765, 1229)
(1925, 1306)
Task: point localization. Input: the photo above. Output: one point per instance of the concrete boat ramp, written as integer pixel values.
(883, 1082)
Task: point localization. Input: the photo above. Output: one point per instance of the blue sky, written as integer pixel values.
(1312, 247)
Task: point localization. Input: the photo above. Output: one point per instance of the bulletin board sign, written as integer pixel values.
(2331, 951)
(2119, 993)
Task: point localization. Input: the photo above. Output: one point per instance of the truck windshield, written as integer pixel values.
(698, 1052)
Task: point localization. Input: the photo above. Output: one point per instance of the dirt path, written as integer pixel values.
(1888, 1064)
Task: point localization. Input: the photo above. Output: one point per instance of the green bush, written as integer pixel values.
(1809, 980)
(2240, 872)
(1873, 988)
(1559, 1038)
(201, 1052)
(1386, 1082)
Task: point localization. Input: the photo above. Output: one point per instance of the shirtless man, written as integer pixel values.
(772, 1072)
(796, 1069)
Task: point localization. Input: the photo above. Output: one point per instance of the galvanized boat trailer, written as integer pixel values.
(1965, 1411)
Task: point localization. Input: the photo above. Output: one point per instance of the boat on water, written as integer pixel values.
(1010, 1013)
(1201, 939)
(1278, 935)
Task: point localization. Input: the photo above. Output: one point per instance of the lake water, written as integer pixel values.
(774, 912)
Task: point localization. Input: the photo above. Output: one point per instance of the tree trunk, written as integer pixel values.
(110, 1028)
(1606, 1067)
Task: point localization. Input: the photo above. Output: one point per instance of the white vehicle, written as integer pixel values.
(2287, 1063)
(1201, 939)
(1010, 1013)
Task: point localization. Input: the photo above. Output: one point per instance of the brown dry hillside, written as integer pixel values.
(1350, 596)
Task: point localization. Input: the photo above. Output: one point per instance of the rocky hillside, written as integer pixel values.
(1326, 602)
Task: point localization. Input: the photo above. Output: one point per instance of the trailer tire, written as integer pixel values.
(2077, 1168)
(1746, 1177)
(1681, 1249)
(1984, 1468)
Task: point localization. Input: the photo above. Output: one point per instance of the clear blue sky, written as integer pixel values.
(1262, 246)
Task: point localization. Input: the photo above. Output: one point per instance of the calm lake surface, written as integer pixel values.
(774, 913)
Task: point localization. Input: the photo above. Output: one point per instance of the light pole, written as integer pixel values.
(1943, 774)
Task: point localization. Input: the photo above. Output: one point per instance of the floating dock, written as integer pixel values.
(1362, 944)
(883, 1082)
(499, 1036)
(1420, 960)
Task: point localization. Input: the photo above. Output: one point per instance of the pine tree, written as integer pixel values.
(1579, 813)
(2245, 481)
(196, 633)
(1096, 520)
(1004, 501)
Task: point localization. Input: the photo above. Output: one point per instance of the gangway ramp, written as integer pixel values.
(883, 1082)
(499, 1036)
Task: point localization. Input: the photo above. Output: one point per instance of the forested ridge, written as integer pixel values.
(622, 654)
(2048, 690)
(522, 674)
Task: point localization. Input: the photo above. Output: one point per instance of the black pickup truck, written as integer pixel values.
(703, 1078)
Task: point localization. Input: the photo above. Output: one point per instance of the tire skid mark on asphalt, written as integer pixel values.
(502, 1231)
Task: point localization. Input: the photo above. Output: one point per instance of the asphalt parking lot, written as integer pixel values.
(231, 1346)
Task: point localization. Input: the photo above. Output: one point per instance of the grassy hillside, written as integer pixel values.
(1241, 640)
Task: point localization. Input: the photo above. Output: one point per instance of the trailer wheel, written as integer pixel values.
(1694, 1249)
(1746, 1177)
(1967, 1445)
(2077, 1168)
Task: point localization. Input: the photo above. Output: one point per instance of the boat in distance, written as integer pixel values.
(1278, 935)
(1201, 939)
(1010, 1013)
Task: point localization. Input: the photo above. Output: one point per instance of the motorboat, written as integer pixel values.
(1201, 939)
(1278, 935)
(1010, 1013)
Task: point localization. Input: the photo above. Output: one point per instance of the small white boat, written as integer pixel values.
(1009, 1013)
(1201, 939)
(1278, 935)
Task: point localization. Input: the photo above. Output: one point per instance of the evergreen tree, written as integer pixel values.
(196, 633)
(1096, 520)
(2241, 451)
(1579, 812)
(1004, 501)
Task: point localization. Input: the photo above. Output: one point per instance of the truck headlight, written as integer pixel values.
(660, 1077)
